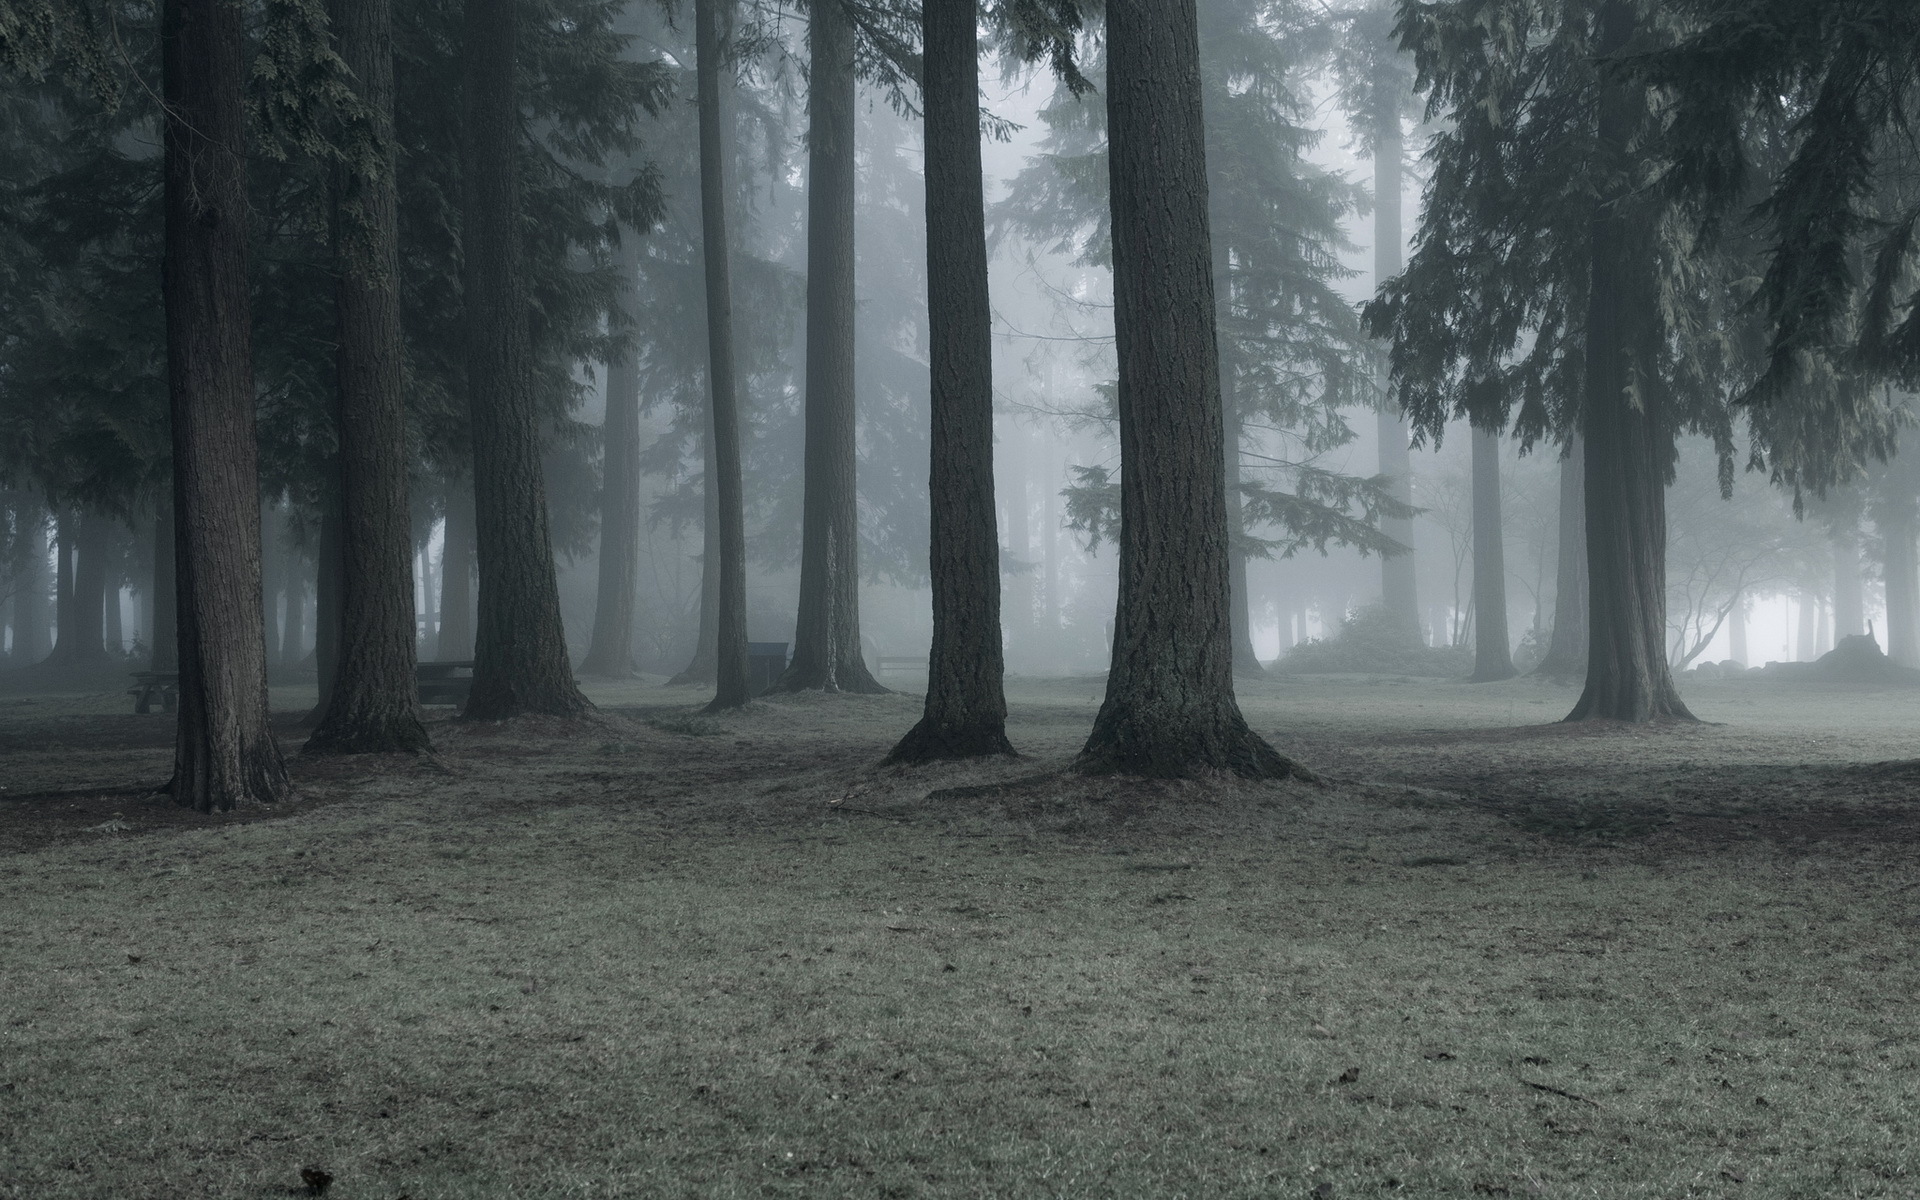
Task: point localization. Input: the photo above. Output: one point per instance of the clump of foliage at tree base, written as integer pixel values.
(1370, 642)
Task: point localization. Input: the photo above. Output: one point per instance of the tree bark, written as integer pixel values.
(1492, 645)
(1169, 709)
(224, 752)
(826, 635)
(1399, 592)
(1629, 443)
(703, 668)
(456, 575)
(610, 653)
(1566, 655)
(1849, 606)
(713, 21)
(520, 647)
(966, 706)
(166, 608)
(373, 706)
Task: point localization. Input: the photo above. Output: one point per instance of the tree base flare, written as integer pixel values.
(1165, 751)
(929, 741)
(369, 733)
(1638, 706)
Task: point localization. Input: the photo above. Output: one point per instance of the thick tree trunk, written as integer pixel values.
(701, 670)
(966, 708)
(826, 635)
(520, 646)
(1492, 645)
(1629, 443)
(32, 615)
(224, 751)
(1566, 655)
(166, 608)
(1399, 592)
(374, 705)
(456, 575)
(1849, 606)
(1169, 708)
(610, 653)
(713, 21)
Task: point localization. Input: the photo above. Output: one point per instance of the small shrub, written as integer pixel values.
(1371, 643)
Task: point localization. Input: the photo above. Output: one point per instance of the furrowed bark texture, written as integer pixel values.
(456, 575)
(1566, 654)
(1628, 442)
(166, 620)
(966, 708)
(374, 705)
(1492, 653)
(701, 670)
(712, 21)
(826, 635)
(520, 647)
(1169, 709)
(611, 651)
(1399, 591)
(224, 752)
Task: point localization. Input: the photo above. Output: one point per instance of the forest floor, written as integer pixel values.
(663, 955)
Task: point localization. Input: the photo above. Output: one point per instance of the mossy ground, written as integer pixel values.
(650, 956)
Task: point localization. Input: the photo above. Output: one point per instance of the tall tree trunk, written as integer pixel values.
(1849, 607)
(1566, 655)
(713, 21)
(329, 567)
(83, 589)
(1737, 632)
(702, 669)
(374, 705)
(1245, 661)
(1903, 586)
(1169, 708)
(966, 708)
(224, 751)
(1399, 592)
(1492, 645)
(66, 622)
(293, 626)
(456, 575)
(1629, 443)
(826, 635)
(610, 652)
(520, 645)
(166, 607)
(112, 620)
(273, 570)
(32, 615)
(1809, 613)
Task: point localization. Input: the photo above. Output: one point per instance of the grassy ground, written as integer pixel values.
(667, 956)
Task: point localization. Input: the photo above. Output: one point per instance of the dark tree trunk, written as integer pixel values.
(1169, 708)
(1566, 656)
(456, 575)
(703, 669)
(826, 635)
(374, 706)
(166, 608)
(520, 646)
(83, 589)
(1399, 592)
(32, 618)
(1629, 443)
(1492, 647)
(713, 20)
(1849, 607)
(610, 653)
(966, 708)
(224, 752)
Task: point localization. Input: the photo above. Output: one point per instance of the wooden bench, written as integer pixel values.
(883, 663)
(149, 686)
(444, 682)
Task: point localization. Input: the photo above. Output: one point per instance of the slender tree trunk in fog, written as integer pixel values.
(520, 646)
(166, 620)
(1169, 708)
(713, 21)
(374, 706)
(1399, 592)
(701, 671)
(1566, 655)
(611, 651)
(1849, 607)
(1903, 587)
(1245, 661)
(293, 626)
(1808, 604)
(1628, 442)
(32, 618)
(966, 708)
(83, 567)
(826, 634)
(1737, 632)
(456, 575)
(224, 751)
(111, 618)
(1492, 653)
